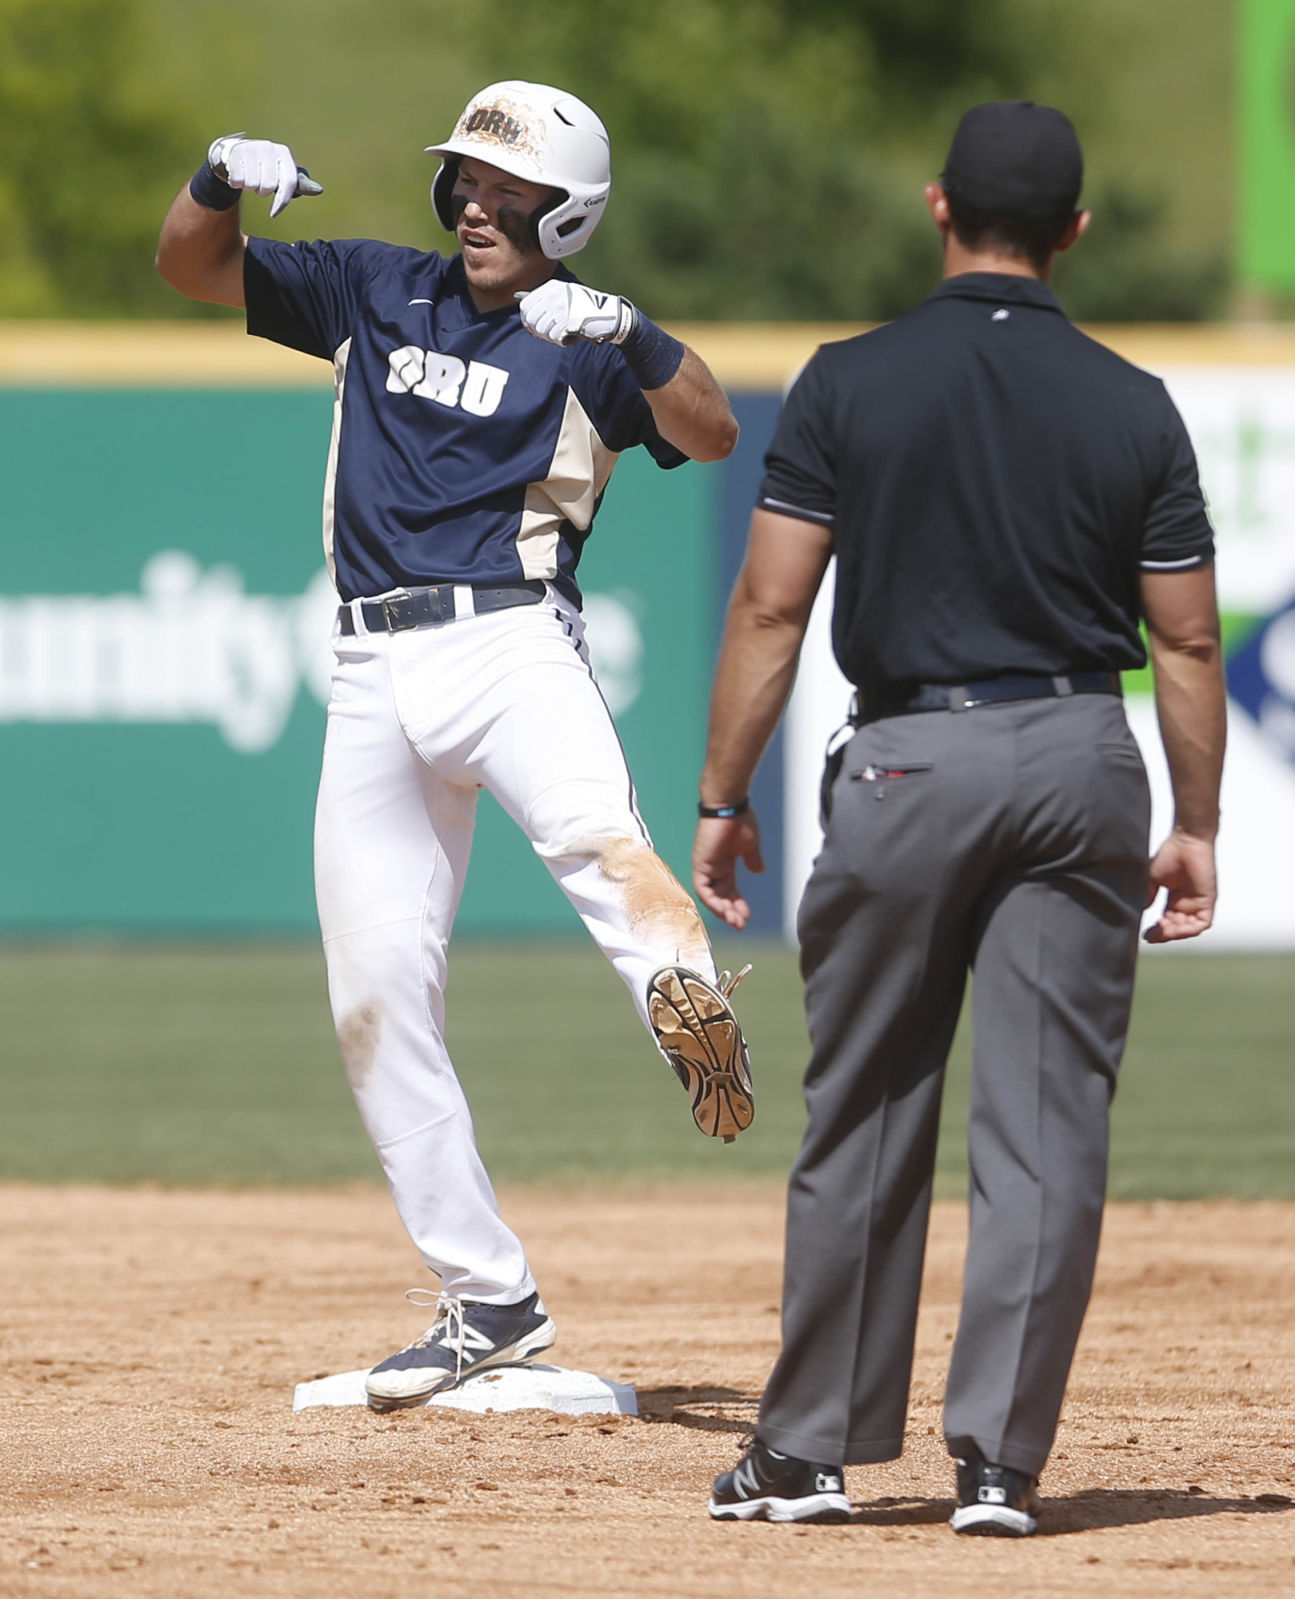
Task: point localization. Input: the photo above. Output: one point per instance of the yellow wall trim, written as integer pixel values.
(744, 356)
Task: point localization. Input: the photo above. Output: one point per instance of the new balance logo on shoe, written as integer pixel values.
(466, 1337)
(768, 1486)
(475, 1343)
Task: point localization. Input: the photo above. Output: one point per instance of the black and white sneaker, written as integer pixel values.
(768, 1486)
(994, 1501)
(466, 1337)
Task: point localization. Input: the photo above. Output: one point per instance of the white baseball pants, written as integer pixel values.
(418, 721)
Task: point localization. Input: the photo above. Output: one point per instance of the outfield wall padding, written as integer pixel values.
(164, 614)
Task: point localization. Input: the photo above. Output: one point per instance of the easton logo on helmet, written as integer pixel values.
(495, 124)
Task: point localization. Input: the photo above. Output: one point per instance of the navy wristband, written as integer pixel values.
(210, 191)
(650, 353)
(723, 813)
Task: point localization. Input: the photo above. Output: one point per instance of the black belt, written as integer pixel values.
(429, 606)
(900, 701)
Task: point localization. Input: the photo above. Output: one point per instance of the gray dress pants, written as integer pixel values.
(1009, 841)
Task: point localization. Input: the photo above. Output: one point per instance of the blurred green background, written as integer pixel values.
(769, 154)
(217, 1065)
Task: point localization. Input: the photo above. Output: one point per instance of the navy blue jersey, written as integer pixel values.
(464, 449)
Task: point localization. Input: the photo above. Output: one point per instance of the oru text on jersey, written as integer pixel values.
(464, 450)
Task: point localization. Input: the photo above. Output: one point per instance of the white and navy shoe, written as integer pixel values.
(767, 1486)
(994, 1501)
(466, 1337)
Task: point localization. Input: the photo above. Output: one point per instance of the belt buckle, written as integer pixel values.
(398, 613)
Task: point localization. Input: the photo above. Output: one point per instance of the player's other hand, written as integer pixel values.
(722, 842)
(262, 167)
(1184, 867)
(563, 312)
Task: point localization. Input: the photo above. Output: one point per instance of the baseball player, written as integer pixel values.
(481, 402)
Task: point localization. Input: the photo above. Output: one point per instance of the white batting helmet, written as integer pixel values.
(545, 136)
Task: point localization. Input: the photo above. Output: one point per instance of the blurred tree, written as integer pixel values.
(766, 151)
(1123, 271)
(770, 226)
(923, 47)
(89, 147)
(751, 180)
(769, 154)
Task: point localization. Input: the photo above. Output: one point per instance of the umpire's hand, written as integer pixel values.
(719, 845)
(1184, 866)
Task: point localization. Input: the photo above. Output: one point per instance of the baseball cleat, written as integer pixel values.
(767, 1486)
(466, 1337)
(994, 1501)
(699, 1035)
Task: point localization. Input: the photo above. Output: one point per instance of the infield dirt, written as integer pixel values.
(151, 1341)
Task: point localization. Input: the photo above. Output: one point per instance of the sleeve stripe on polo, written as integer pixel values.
(767, 503)
(1174, 566)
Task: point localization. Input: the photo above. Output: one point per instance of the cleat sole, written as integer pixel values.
(699, 1036)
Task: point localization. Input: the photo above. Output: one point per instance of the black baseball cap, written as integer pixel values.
(1016, 159)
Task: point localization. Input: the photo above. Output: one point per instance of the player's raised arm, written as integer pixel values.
(200, 250)
(690, 409)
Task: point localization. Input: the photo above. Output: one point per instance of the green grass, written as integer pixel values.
(217, 1065)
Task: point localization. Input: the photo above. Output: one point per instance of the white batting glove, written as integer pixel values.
(262, 167)
(563, 312)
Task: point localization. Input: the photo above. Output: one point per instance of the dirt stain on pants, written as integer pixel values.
(659, 909)
(358, 1033)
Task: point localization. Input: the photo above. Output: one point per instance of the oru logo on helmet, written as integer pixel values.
(491, 123)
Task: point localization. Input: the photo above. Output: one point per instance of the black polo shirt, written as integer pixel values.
(994, 481)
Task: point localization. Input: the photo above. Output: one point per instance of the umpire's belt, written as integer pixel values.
(427, 607)
(902, 700)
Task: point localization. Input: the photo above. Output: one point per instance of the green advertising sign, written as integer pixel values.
(164, 663)
(1266, 111)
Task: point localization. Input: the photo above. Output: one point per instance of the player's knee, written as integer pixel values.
(580, 816)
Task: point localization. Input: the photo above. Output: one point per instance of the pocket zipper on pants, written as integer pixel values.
(875, 774)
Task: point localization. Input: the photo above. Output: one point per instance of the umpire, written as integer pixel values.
(1005, 499)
